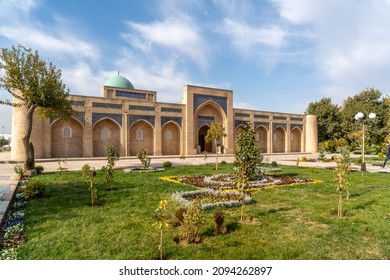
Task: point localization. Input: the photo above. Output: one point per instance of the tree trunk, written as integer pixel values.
(216, 158)
(29, 162)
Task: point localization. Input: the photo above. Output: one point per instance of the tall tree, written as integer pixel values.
(368, 101)
(41, 90)
(328, 118)
(214, 134)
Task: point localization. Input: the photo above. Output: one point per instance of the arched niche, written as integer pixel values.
(66, 139)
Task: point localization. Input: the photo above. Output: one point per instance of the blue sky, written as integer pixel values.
(276, 55)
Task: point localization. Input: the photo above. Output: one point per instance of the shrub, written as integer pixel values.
(167, 164)
(39, 169)
(303, 159)
(193, 219)
(33, 189)
(381, 155)
(274, 164)
(19, 169)
(179, 214)
(143, 157)
(223, 162)
(89, 174)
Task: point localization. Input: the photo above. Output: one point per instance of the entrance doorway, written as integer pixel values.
(201, 140)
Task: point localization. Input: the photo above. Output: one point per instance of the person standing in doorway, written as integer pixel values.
(387, 155)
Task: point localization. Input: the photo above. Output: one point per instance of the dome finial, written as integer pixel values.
(118, 72)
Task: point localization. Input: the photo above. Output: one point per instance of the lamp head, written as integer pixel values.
(359, 116)
(372, 115)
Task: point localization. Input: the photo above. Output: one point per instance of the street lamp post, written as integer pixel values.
(360, 116)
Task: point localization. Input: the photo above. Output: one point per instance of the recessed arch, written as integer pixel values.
(279, 140)
(262, 139)
(66, 139)
(296, 139)
(207, 113)
(136, 143)
(170, 138)
(106, 132)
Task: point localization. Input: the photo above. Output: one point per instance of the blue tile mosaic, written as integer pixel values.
(297, 119)
(300, 126)
(237, 123)
(132, 119)
(130, 94)
(78, 103)
(280, 118)
(177, 120)
(172, 110)
(242, 115)
(276, 125)
(261, 117)
(99, 116)
(265, 124)
(205, 120)
(80, 116)
(106, 105)
(141, 108)
(200, 99)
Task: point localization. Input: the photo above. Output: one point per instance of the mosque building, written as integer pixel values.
(131, 119)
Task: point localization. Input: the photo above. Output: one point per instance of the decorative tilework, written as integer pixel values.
(265, 124)
(99, 116)
(78, 103)
(276, 125)
(131, 94)
(204, 120)
(106, 105)
(242, 115)
(300, 126)
(280, 118)
(200, 99)
(177, 120)
(80, 116)
(132, 119)
(172, 110)
(297, 119)
(261, 117)
(237, 123)
(141, 108)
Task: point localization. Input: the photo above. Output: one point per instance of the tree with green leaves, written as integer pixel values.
(89, 174)
(328, 119)
(246, 160)
(368, 101)
(35, 84)
(108, 169)
(214, 134)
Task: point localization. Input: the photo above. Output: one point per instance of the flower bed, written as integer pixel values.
(210, 199)
(14, 226)
(223, 182)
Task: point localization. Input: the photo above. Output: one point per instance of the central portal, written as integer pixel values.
(202, 141)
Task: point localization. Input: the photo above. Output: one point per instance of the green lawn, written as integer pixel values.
(296, 222)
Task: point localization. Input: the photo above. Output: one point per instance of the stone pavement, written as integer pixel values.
(8, 180)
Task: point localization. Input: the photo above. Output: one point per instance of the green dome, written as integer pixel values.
(119, 82)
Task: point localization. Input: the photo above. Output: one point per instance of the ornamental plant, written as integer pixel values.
(112, 157)
(143, 157)
(161, 222)
(193, 219)
(89, 174)
(342, 171)
(33, 189)
(214, 134)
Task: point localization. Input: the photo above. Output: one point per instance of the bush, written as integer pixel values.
(179, 214)
(167, 164)
(303, 159)
(33, 189)
(19, 169)
(381, 155)
(39, 169)
(223, 162)
(274, 164)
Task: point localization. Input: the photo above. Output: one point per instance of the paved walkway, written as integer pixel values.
(8, 180)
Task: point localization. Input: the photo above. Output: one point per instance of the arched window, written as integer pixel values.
(67, 132)
(139, 134)
(168, 135)
(106, 134)
(257, 136)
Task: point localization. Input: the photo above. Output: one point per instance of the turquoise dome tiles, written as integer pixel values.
(119, 82)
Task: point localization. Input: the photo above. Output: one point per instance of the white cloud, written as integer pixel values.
(179, 35)
(351, 41)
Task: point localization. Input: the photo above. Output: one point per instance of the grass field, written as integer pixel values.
(296, 222)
